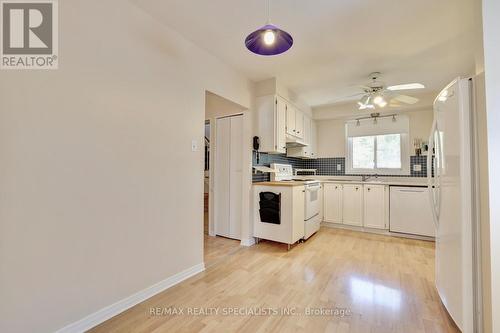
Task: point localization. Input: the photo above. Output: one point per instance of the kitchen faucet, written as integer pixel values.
(364, 178)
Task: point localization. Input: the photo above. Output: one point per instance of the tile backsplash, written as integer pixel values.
(333, 166)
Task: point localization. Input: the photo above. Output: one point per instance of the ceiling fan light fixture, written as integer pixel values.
(379, 100)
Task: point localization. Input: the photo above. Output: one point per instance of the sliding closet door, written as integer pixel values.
(221, 176)
(235, 177)
(228, 176)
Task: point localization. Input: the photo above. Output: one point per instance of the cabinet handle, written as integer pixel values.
(357, 188)
(368, 188)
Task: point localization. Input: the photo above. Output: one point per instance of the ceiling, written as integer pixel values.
(337, 43)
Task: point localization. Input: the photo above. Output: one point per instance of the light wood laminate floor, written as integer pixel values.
(381, 284)
(217, 248)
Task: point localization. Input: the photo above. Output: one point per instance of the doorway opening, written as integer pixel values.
(223, 181)
(206, 178)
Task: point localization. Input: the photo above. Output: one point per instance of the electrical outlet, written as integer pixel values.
(417, 167)
(339, 167)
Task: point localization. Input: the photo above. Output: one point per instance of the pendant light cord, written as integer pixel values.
(268, 11)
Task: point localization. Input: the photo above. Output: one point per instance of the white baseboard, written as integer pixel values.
(112, 310)
(248, 242)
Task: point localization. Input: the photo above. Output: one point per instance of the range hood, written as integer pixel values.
(292, 142)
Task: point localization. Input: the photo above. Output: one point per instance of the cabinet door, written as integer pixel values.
(280, 126)
(290, 119)
(313, 139)
(321, 203)
(352, 204)
(332, 202)
(299, 123)
(375, 206)
(307, 137)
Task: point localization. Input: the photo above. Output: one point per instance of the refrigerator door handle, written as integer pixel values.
(430, 181)
(439, 165)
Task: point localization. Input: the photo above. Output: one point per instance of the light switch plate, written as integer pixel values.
(417, 167)
(339, 167)
(194, 145)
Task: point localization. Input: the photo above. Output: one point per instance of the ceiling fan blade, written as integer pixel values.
(406, 86)
(347, 98)
(395, 104)
(406, 99)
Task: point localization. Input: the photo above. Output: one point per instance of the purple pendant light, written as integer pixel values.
(269, 40)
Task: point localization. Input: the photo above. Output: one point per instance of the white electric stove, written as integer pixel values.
(284, 173)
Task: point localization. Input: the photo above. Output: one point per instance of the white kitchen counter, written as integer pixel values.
(395, 181)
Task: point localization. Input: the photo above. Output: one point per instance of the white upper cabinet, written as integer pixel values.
(290, 120)
(375, 212)
(271, 113)
(306, 128)
(294, 121)
(313, 140)
(352, 204)
(310, 139)
(299, 123)
(277, 120)
(280, 128)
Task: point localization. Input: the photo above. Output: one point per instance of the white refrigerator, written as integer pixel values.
(452, 196)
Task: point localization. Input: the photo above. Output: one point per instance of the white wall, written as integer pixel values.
(331, 138)
(100, 193)
(491, 28)
(331, 132)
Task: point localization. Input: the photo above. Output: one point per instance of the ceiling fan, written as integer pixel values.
(377, 94)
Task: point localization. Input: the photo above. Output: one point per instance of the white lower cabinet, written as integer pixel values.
(375, 206)
(352, 205)
(321, 202)
(332, 202)
(290, 225)
(356, 204)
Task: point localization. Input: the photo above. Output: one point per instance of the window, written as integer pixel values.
(363, 152)
(380, 147)
(388, 151)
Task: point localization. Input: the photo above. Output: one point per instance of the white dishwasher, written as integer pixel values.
(410, 211)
